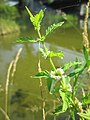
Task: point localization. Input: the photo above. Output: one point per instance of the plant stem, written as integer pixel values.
(45, 48)
(6, 116)
(15, 63)
(73, 115)
(39, 34)
(41, 83)
(7, 87)
(74, 89)
(52, 64)
(85, 33)
(50, 57)
(72, 112)
(12, 65)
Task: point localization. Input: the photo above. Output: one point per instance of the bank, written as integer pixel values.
(8, 15)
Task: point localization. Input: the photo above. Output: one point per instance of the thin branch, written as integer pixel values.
(7, 86)
(15, 63)
(12, 65)
(5, 114)
(41, 88)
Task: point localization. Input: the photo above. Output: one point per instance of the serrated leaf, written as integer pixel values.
(45, 54)
(86, 99)
(36, 19)
(58, 54)
(26, 39)
(52, 28)
(86, 114)
(50, 54)
(71, 64)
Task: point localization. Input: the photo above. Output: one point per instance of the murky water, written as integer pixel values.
(24, 100)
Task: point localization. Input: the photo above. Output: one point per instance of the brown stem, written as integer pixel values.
(85, 33)
(41, 90)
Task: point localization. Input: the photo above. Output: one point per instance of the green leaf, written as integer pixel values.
(77, 71)
(51, 85)
(44, 53)
(36, 19)
(71, 64)
(58, 54)
(49, 54)
(86, 114)
(53, 27)
(86, 99)
(66, 101)
(65, 84)
(58, 110)
(30, 39)
(42, 74)
(88, 63)
(26, 39)
(86, 54)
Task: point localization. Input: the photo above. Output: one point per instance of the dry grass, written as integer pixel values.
(85, 33)
(7, 86)
(6, 116)
(15, 63)
(12, 66)
(41, 90)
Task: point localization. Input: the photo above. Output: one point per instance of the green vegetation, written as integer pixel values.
(8, 12)
(11, 20)
(63, 81)
(8, 26)
(7, 19)
(57, 16)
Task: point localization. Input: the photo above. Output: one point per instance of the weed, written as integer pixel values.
(62, 81)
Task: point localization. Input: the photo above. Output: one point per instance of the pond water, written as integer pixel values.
(24, 100)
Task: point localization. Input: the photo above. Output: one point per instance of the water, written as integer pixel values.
(24, 100)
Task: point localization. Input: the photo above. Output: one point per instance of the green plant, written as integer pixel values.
(8, 26)
(63, 80)
(8, 12)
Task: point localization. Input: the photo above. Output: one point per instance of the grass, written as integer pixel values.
(8, 26)
(8, 17)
